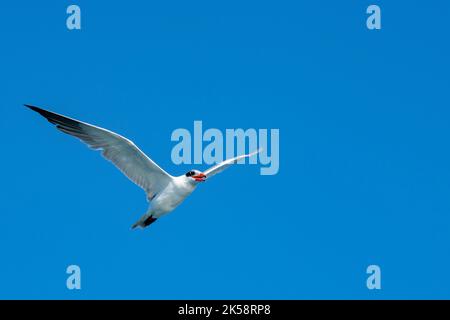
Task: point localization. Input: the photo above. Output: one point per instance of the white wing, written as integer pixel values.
(125, 155)
(225, 164)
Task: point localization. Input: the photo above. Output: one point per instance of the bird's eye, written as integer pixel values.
(190, 174)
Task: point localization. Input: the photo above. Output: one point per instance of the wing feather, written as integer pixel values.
(227, 163)
(123, 153)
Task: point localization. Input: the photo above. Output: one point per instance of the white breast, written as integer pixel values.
(172, 196)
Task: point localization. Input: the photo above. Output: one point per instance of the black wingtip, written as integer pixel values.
(33, 107)
(42, 112)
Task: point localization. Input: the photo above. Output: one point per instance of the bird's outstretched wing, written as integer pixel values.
(225, 164)
(125, 155)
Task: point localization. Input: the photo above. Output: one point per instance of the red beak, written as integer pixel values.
(200, 177)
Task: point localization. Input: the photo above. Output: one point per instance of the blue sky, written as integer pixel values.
(364, 160)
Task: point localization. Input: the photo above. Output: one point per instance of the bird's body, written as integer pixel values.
(164, 192)
(172, 196)
(167, 200)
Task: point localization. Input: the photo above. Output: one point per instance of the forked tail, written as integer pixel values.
(146, 220)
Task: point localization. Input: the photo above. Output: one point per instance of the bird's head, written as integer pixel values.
(195, 175)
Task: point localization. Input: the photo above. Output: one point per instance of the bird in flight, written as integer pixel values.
(164, 192)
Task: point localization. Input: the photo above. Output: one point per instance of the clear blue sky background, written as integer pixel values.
(365, 164)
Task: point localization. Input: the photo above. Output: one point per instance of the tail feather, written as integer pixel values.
(136, 224)
(146, 220)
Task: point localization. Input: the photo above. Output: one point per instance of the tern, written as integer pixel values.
(164, 192)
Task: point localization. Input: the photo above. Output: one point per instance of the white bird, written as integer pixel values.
(164, 192)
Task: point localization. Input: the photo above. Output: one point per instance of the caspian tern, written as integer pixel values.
(164, 192)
